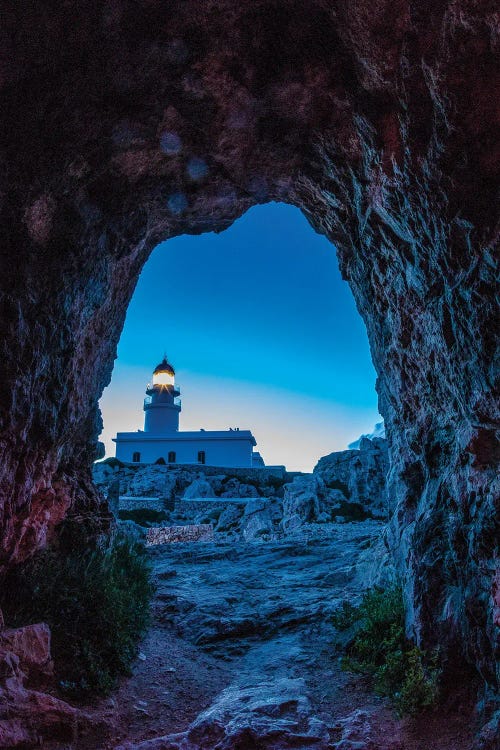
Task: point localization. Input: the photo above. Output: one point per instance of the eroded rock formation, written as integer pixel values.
(265, 503)
(124, 124)
(29, 715)
(360, 475)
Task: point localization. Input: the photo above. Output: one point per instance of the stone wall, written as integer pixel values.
(133, 503)
(204, 505)
(172, 534)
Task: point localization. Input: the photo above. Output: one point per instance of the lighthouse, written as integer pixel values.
(161, 441)
(162, 404)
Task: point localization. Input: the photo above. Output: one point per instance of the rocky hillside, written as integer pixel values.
(251, 503)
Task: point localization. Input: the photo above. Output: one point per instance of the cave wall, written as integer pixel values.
(126, 123)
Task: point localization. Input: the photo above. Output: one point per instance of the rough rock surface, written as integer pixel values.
(31, 645)
(273, 713)
(29, 717)
(199, 488)
(171, 534)
(124, 124)
(173, 483)
(240, 655)
(361, 475)
(377, 432)
(268, 508)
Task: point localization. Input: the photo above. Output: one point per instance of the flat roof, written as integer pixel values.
(128, 437)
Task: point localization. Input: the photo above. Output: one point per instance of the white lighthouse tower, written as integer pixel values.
(162, 404)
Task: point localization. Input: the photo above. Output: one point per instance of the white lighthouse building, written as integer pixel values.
(161, 438)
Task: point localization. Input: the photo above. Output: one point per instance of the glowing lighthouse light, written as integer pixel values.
(164, 374)
(163, 378)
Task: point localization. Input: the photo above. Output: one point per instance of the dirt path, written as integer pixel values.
(242, 632)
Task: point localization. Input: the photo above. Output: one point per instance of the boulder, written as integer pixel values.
(199, 488)
(31, 645)
(230, 518)
(274, 714)
(28, 717)
(305, 500)
(257, 525)
(360, 475)
(234, 488)
(151, 480)
(256, 505)
(257, 520)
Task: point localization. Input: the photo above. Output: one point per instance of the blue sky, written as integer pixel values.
(263, 334)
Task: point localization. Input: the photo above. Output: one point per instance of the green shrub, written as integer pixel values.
(143, 516)
(96, 602)
(380, 649)
(345, 616)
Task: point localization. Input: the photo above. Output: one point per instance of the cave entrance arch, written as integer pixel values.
(127, 124)
(263, 333)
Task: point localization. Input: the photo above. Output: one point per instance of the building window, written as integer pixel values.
(136, 457)
(171, 457)
(201, 457)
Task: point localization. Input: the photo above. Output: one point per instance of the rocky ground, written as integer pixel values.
(241, 652)
(241, 655)
(245, 504)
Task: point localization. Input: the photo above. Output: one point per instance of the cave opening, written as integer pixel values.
(263, 332)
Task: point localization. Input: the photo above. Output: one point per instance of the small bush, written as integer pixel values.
(380, 649)
(345, 616)
(143, 516)
(96, 602)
